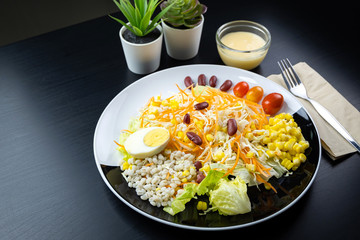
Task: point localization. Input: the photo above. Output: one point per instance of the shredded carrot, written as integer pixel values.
(125, 130)
(122, 146)
(182, 91)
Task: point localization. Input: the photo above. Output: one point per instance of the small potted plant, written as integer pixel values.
(182, 26)
(141, 37)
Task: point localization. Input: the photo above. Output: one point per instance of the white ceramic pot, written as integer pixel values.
(182, 44)
(142, 58)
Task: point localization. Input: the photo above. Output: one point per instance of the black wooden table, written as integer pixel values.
(54, 87)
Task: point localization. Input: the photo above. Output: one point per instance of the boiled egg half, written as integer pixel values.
(147, 142)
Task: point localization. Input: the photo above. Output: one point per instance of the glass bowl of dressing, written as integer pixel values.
(243, 44)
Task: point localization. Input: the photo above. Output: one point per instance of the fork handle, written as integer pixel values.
(334, 123)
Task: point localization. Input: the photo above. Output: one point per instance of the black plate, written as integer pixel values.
(264, 203)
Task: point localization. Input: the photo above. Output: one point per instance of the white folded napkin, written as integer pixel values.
(321, 91)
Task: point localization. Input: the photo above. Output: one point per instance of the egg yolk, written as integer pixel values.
(156, 137)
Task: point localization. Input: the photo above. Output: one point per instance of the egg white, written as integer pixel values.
(136, 147)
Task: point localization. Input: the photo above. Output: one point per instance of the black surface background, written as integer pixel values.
(54, 87)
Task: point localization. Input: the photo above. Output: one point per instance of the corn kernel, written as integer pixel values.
(205, 168)
(296, 161)
(270, 153)
(185, 173)
(173, 121)
(294, 167)
(180, 134)
(200, 99)
(287, 163)
(125, 165)
(272, 146)
(288, 116)
(165, 103)
(281, 154)
(200, 123)
(218, 155)
(302, 157)
(184, 180)
(153, 110)
(250, 154)
(289, 144)
(155, 103)
(273, 134)
(279, 145)
(174, 104)
(266, 140)
(305, 144)
(293, 124)
(292, 152)
(201, 206)
(250, 167)
(288, 129)
(271, 121)
(209, 137)
(284, 137)
(249, 136)
(297, 148)
(296, 132)
(279, 125)
(186, 139)
(280, 116)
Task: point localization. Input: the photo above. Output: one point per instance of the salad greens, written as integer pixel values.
(178, 205)
(228, 197)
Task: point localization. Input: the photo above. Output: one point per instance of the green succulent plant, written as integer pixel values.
(139, 15)
(185, 13)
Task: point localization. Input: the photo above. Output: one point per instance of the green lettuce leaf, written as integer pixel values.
(178, 205)
(230, 197)
(190, 191)
(209, 182)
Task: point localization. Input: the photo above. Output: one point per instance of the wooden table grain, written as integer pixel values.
(54, 87)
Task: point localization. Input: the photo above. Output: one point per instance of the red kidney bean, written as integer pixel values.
(197, 165)
(226, 85)
(200, 106)
(202, 80)
(231, 126)
(186, 119)
(199, 177)
(194, 138)
(188, 81)
(212, 81)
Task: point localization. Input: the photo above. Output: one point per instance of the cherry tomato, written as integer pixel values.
(255, 94)
(272, 103)
(241, 89)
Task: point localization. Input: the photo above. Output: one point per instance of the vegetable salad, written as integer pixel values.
(229, 136)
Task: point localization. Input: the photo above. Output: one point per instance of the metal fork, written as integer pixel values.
(297, 88)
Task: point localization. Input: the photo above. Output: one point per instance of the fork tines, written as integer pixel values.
(288, 73)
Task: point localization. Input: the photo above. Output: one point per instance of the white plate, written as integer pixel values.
(127, 103)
